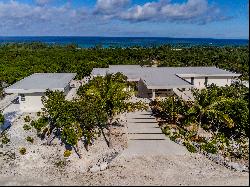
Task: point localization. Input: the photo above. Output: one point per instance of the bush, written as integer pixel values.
(38, 113)
(27, 119)
(26, 127)
(209, 147)
(5, 139)
(39, 124)
(60, 163)
(67, 153)
(190, 147)
(22, 151)
(166, 130)
(30, 139)
(174, 136)
(1, 118)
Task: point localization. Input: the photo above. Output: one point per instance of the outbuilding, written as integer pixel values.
(31, 89)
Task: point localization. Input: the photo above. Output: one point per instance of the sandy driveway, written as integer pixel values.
(192, 169)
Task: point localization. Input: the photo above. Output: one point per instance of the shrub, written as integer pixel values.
(67, 153)
(174, 136)
(27, 119)
(5, 139)
(1, 118)
(30, 139)
(166, 130)
(60, 163)
(39, 124)
(190, 147)
(26, 127)
(38, 113)
(209, 147)
(22, 151)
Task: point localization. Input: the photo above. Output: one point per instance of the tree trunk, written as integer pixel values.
(51, 137)
(105, 138)
(110, 136)
(77, 151)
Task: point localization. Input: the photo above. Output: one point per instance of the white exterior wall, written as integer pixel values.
(220, 81)
(199, 82)
(32, 103)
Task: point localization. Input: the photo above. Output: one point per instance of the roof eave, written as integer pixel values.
(22, 91)
(150, 87)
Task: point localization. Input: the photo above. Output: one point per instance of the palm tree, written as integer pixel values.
(205, 108)
(111, 93)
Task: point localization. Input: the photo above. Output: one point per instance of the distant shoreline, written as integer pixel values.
(107, 42)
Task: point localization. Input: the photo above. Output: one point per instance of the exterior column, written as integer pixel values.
(153, 94)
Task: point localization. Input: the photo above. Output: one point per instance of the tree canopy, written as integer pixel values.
(20, 60)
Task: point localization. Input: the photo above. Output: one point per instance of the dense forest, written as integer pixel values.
(20, 60)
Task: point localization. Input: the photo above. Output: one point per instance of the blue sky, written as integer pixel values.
(160, 18)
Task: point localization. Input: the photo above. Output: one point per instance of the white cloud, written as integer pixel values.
(33, 17)
(192, 11)
(19, 18)
(110, 6)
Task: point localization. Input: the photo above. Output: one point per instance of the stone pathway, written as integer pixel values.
(145, 138)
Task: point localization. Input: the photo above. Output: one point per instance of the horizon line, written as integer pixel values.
(129, 37)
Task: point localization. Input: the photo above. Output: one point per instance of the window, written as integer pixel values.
(22, 97)
(206, 81)
(192, 80)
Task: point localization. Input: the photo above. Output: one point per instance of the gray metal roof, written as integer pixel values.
(162, 80)
(118, 67)
(39, 82)
(99, 71)
(164, 77)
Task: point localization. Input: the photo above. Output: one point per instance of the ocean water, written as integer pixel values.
(105, 42)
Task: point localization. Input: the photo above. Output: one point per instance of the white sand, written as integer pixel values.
(38, 167)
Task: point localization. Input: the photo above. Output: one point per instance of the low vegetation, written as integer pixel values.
(67, 153)
(5, 139)
(22, 150)
(1, 119)
(27, 119)
(30, 139)
(26, 127)
(216, 122)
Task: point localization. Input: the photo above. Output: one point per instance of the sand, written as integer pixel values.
(45, 165)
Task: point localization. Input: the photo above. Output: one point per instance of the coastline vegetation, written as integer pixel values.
(18, 60)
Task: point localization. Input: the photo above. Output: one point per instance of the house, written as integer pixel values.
(32, 88)
(166, 81)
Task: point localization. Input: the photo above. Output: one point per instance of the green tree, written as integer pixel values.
(206, 111)
(173, 108)
(113, 97)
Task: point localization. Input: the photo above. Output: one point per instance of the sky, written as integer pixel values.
(128, 18)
